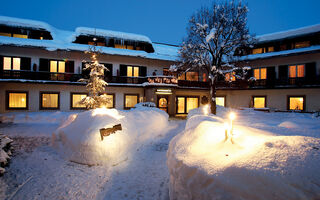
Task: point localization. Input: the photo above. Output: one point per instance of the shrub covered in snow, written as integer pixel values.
(79, 140)
(258, 165)
(5, 152)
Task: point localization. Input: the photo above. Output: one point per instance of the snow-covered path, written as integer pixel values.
(43, 174)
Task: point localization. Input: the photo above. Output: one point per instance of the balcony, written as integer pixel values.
(163, 79)
(31, 75)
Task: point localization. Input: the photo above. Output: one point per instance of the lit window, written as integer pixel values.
(192, 76)
(110, 100)
(230, 78)
(182, 76)
(296, 71)
(270, 49)
(302, 44)
(6, 63)
(57, 66)
(119, 46)
(20, 36)
(257, 51)
(220, 101)
(192, 103)
(11, 63)
(132, 71)
(296, 103)
(50, 100)
(260, 73)
(130, 47)
(17, 100)
(76, 98)
(5, 34)
(180, 104)
(259, 102)
(102, 44)
(130, 101)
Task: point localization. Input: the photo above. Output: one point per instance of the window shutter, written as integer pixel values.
(283, 72)
(70, 66)
(1, 64)
(271, 76)
(85, 73)
(142, 71)
(25, 64)
(108, 73)
(44, 65)
(311, 71)
(123, 70)
(249, 74)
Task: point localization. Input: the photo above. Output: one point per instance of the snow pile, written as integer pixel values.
(258, 165)
(5, 152)
(288, 124)
(79, 139)
(145, 104)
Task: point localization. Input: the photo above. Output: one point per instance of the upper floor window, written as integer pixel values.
(260, 73)
(10, 63)
(132, 71)
(296, 71)
(57, 66)
(301, 44)
(192, 76)
(230, 77)
(270, 49)
(257, 50)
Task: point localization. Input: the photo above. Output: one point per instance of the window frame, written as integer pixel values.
(185, 103)
(301, 96)
(259, 96)
(259, 68)
(11, 57)
(71, 100)
(50, 108)
(130, 94)
(296, 68)
(17, 108)
(225, 99)
(57, 66)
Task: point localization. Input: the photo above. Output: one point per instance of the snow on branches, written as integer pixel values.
(95, 83)
(215, 34)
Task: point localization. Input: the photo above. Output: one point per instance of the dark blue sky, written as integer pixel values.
(161, 20)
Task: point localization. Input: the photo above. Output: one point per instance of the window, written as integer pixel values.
(296, 103)
(132, 71)
(130, 100)
(296, 71)
(220, 101)
(166, 72)
(192, 76)
(17, 100)
(182, 76)
(257, 51)
(75, 100)
(270, 49)
(5, 34)
(110, 103)
(302, 44)
(228, 77)
(20, 36)
(10, 63)
(49, 100)
(259, 102)
(185, 104)
(260, 73)
(57, 66)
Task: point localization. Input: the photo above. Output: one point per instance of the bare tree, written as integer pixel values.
(214, 34)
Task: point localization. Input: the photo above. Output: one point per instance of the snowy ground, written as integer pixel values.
(37, 171)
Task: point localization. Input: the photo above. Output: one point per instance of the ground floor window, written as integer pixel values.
(185, 104)
(130, 100)
(75, 100)
(296, 103)
(259, 102)
(221, 101)
(49, 100)
(17, 100)
(110, 100)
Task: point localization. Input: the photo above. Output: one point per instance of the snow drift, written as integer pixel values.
(79, 140)
(259, 165)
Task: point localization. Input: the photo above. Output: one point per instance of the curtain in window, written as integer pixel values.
(50, 100)
(256, 73)
(292, 71)
(259, 102)
(220, 101)
(131, 101)
(263, 73)
(76, 98)
(296, 103)
(192, 103)
(109, 104)
(181, 104)
(17, 100)
(300, 70)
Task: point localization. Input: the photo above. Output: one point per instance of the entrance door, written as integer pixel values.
(163, 103)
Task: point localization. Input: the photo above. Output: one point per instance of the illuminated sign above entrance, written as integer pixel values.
(163, 91)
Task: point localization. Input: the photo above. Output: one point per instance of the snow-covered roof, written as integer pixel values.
(289, 33)
(315, 48)
(111, 34)
(63, 40)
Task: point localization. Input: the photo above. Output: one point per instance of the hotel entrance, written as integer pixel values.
(163, 102)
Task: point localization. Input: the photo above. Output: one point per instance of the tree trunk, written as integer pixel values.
(213, 97)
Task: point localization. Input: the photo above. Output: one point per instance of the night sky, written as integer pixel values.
(162, 20)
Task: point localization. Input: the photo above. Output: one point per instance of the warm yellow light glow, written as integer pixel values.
(206, 109)
(232, 116)
(104, 111)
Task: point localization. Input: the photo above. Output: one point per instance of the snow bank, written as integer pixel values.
(79, 140)
(259, 165)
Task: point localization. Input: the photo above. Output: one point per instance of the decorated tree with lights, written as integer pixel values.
(214, 34)
(95, 83)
